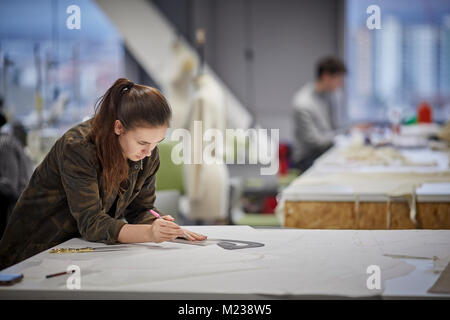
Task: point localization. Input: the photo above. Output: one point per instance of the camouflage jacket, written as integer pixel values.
(66, 198)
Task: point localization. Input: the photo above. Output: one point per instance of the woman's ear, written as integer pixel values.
(118, 128)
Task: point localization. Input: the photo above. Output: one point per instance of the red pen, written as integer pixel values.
(59, 274)
(156, 214)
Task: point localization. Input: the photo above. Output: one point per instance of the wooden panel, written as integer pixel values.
(400, 216)
(369, 215)
(320, 215)
(372, 215)
(433, 215)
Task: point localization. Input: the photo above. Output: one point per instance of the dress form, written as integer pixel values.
(207, 182)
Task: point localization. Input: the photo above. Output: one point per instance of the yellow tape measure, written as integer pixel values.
(72, 250)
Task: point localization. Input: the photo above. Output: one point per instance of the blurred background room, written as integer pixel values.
(385, 163)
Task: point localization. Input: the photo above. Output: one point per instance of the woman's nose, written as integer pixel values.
(147, 151)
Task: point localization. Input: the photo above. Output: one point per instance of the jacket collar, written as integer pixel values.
(136, 165)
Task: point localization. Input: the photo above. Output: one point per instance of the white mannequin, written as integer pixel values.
(179, 88)
(207, 185)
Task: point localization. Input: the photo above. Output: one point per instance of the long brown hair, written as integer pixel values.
(135, 106)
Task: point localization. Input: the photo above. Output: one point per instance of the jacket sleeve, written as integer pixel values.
(137, 211)
(79, 178)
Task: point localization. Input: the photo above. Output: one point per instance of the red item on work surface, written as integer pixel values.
(283, 156)
(424, 113)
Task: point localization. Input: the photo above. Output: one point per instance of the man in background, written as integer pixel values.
(315, 125)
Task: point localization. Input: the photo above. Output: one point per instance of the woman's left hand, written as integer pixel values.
(192, 236)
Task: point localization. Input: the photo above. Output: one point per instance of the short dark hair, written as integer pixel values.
(330, 65)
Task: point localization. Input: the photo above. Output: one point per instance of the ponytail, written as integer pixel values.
(134, 105)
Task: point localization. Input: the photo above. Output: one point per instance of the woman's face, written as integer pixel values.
(139, 142)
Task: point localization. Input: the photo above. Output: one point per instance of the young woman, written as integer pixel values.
(97, 174)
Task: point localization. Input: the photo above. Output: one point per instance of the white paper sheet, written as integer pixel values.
(292, 262)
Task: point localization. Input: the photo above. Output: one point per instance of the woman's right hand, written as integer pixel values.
(164, 230)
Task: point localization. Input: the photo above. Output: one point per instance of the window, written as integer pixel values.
(402, 64)
(47, 64)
